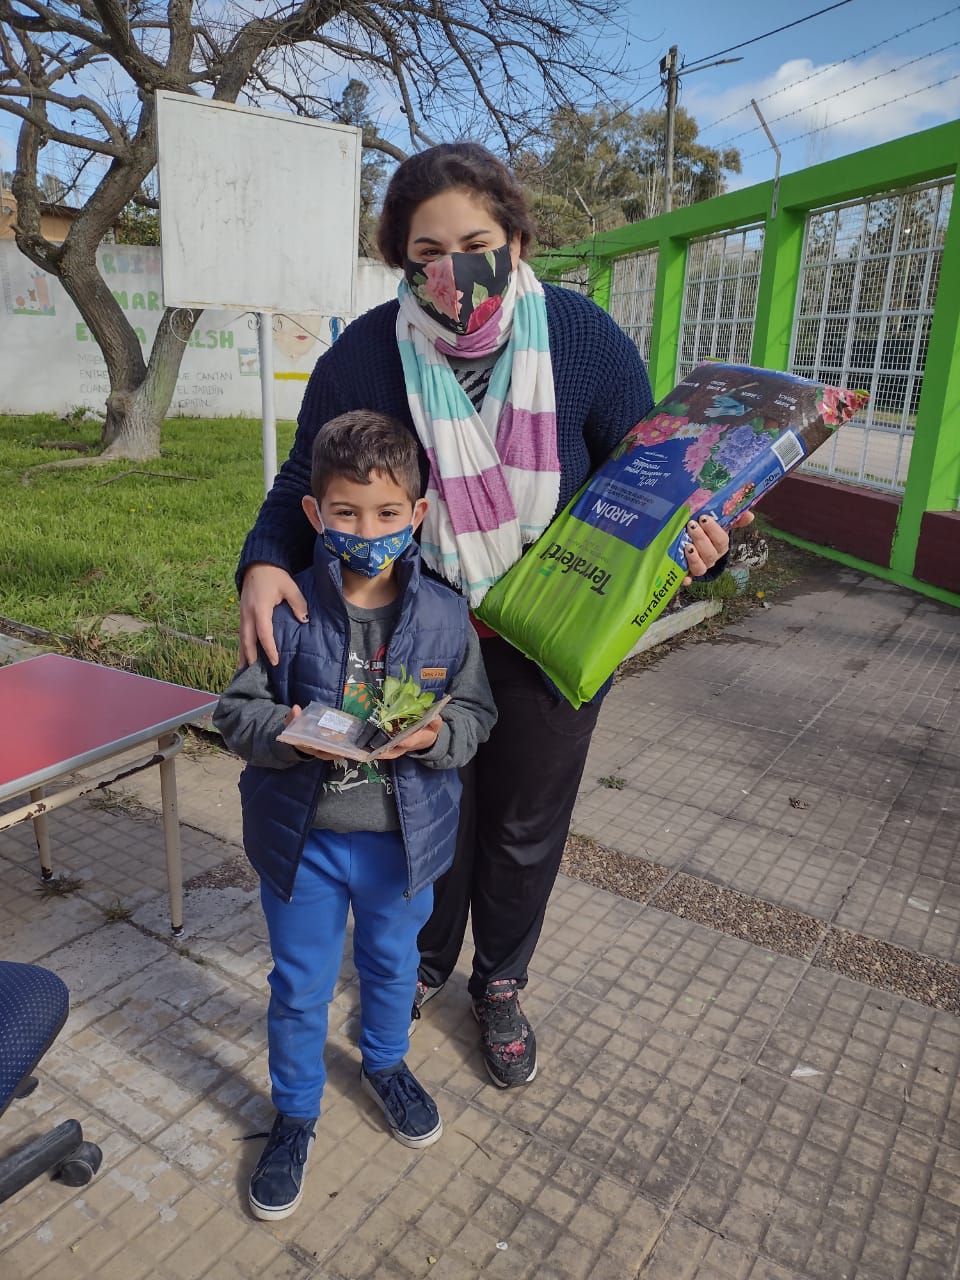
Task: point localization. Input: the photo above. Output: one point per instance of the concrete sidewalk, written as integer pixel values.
(733, 1083)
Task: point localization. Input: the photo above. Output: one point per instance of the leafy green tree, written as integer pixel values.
(138, 224)
(352, 109)
(603, 168)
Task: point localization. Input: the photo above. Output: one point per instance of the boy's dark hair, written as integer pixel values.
(465, 166)
(356, 443)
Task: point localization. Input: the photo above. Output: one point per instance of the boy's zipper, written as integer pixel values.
(326, 763)
(408, 892)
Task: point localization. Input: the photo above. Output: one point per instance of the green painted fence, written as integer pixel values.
(930, 499)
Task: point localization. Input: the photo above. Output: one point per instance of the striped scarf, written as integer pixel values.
(494, 475)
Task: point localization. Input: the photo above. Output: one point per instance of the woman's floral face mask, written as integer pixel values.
(461, 290)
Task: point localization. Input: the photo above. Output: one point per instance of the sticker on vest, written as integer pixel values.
(433, 673)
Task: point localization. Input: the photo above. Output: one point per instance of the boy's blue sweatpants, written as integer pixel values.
(365, 870)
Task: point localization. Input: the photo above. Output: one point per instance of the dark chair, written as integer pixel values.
(33, 1008)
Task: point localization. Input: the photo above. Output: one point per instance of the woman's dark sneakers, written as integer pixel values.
(277, 1183)
(507, 1041)
(410, 1111)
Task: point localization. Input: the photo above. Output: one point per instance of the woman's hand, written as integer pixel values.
(707, 541)
(419, 741)
(264, 587)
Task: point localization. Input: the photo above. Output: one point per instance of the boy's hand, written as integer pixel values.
(306, 751)
(419, 741)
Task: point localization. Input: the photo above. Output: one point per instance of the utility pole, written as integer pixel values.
(668, 68)
(670, 79)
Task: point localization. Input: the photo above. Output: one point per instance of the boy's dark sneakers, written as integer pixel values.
(411, 1113)
(507, 1041)
(422, 994)
(277, 1183)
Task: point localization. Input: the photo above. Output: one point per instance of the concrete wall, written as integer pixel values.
(49, 362)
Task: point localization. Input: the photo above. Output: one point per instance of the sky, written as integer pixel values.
(863, 73)
(855, 74)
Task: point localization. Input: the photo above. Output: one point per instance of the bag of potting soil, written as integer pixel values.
(611, 561)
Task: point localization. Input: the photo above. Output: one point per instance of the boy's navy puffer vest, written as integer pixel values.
(430, 635)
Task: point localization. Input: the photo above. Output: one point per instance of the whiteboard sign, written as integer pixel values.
(258, 210)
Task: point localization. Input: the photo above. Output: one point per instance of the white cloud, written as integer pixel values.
(850, 105)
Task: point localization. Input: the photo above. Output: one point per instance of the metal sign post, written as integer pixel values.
(225, 173)
(267, 407)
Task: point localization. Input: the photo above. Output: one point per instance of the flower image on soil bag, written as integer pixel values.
(611, 561)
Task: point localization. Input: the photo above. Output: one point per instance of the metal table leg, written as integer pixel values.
(170, 744)
(42, 834)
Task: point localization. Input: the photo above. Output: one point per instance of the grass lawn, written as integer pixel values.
(160, 540)
(155, 540)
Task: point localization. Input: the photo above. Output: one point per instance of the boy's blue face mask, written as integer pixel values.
(367, 556)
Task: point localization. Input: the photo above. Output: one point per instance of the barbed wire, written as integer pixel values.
(829, 67)
(808, 106)
(857, 114)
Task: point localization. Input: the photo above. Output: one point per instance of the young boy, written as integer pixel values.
(325, 833)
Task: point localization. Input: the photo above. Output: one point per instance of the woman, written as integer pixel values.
(517, 391)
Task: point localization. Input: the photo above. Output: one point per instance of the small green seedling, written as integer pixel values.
(400, 703)
(613, 781)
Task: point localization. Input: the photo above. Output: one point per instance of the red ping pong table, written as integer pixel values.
(60, 715)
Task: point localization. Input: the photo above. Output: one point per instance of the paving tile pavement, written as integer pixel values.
(831, 724)
(705, 1108)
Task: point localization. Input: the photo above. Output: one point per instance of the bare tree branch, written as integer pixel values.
(48, 19)
(81, 76)
(74, 104)
(42, 123)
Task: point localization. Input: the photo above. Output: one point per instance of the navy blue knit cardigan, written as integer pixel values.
(601, 383)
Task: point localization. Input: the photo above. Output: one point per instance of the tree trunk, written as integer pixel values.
(132, 428)
(140, 391)
(136, 410)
